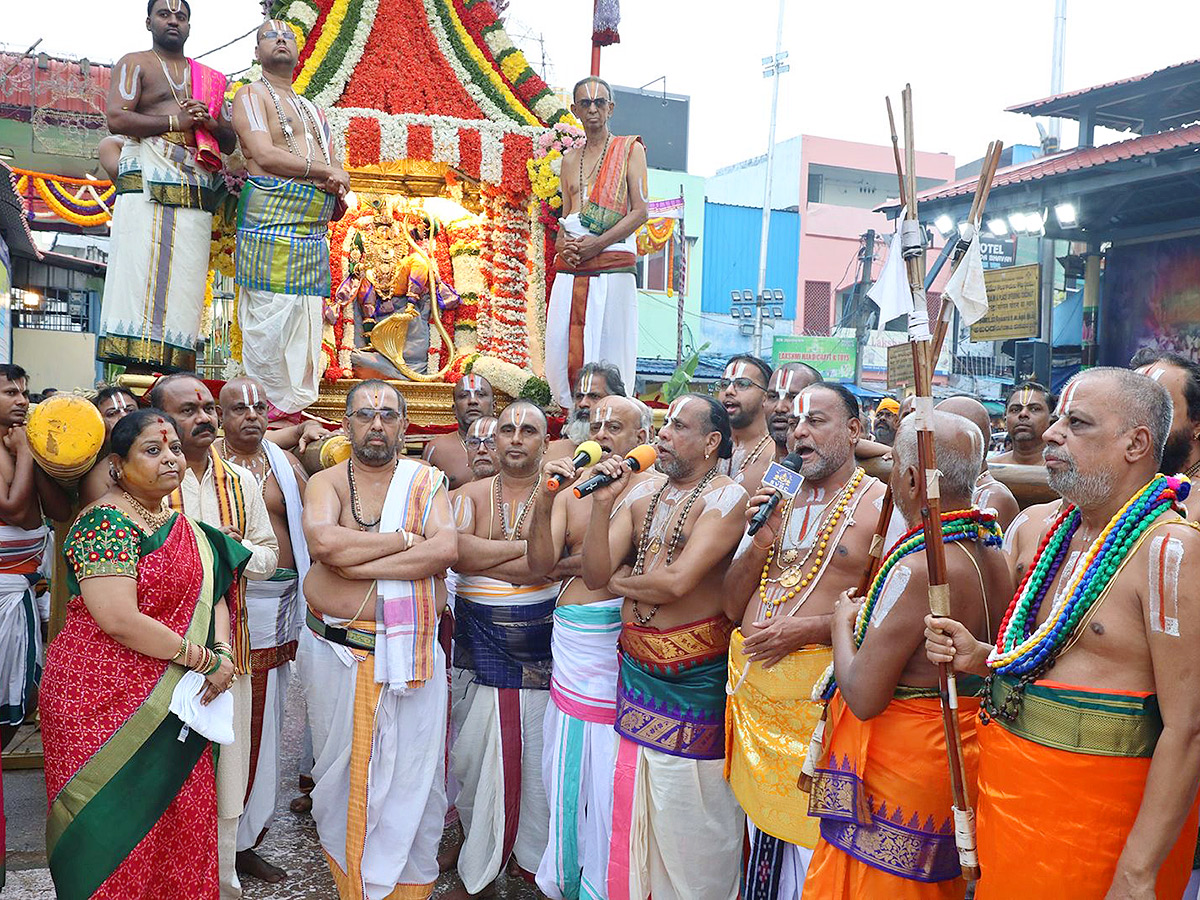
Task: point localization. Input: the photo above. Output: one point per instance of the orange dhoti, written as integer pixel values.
(882, 793)
(1059, 789)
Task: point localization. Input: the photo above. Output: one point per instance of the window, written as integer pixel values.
(654, 270)
(817, 296)
(816, 186)
(52, 309)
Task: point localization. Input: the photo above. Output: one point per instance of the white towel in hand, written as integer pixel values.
(214, 721)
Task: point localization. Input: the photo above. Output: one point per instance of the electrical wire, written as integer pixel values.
(228, 43)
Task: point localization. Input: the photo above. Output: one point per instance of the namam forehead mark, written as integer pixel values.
(801, 406)
(1154, 370)
(592, 90)
(739, 369)
(587, 384)
(254, 112)
(122, 404)
(250, 393)
(517, 415)
(1068, 398)
(782, 380)
(471, 385)
(482, 427)
(1025, 396)
(677, 406)
(1166, 562)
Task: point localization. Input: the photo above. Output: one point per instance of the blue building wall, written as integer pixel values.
(732, 235)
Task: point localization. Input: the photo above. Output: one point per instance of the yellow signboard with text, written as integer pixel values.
(1012, 304)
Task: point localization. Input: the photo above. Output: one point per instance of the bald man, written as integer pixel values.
(990, 495)
(273, 606)
(883, 735)
(473, 399)
(583, 684)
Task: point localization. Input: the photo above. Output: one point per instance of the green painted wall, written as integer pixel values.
(657, 311)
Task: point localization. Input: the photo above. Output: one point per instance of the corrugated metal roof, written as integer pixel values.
(709, 367)
(14, 226)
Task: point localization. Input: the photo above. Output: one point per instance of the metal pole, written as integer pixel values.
(595, 46)
(860, 303)
(766, 217)
(1056, 62)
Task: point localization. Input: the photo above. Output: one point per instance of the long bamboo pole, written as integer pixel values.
(935, 550)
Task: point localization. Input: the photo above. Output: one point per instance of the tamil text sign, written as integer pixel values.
(1012, 304)
(900, 367)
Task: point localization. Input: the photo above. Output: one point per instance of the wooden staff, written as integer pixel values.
(935, 550)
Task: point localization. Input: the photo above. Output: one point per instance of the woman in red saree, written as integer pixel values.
(133, 810)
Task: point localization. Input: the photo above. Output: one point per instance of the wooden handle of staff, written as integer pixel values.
(875, 554)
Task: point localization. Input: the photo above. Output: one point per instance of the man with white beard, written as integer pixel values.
(597, 380)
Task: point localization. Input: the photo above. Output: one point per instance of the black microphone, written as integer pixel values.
(792, 461)
(638, 459)
(586, 454)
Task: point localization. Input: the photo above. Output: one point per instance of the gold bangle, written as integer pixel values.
(172, 123)
(182, 651)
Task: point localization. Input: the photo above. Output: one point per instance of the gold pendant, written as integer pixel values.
(789, 556)
(655, 546)
(789, 577)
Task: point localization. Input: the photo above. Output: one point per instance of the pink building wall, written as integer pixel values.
(830, 234)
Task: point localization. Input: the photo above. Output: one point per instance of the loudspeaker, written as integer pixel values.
(1032, 362)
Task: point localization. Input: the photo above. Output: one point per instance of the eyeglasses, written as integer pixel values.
(589, 102)
(367, 416)
(742, 384)
(474, 443)
(287, 35)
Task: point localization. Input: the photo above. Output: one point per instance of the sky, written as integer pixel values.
(965, 61)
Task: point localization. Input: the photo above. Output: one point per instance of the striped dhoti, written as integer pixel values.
(20, 628)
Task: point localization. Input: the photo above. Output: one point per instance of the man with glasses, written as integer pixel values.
(293, 190)
(742, 390)
(380, 531)
(503, 617)
(593, 303)
(473, 399)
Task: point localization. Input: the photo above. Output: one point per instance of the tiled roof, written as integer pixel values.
(1032, 107)
(14, 226)
(1071, 161)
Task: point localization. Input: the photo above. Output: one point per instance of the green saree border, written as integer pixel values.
(130, 781)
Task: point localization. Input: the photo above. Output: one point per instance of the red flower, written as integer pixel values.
(104, 524)
(362, 141)
(470, 152)
(420, 142)
(93, 556)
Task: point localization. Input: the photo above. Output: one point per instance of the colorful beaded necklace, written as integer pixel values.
(1023, 650)
(958, 525)
(819, 546)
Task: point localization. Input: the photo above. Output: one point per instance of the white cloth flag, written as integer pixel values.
(966, 288)
(891, 292)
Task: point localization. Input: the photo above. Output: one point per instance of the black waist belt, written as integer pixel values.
(347, 637)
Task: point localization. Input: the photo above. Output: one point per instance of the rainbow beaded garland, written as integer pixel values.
(958, 525)
(1021, 649)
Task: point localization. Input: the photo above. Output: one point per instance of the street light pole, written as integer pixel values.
(773, 67)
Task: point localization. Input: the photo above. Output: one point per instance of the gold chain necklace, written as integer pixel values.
(644, 541)
(520, 523)
(155, 520)
(175, 88)
(797, 583)
(260, 457)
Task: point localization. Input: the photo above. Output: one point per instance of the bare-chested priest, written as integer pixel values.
(812, 548)
(473, 399)
(593, 302)
(1113, 607)
(785, 386)
(1027, 416)
(172, 115)
(742, 390)
(503, 617)
(292, 191)
(596, 381)
(883, 736)
(580, 758)
(274, 607)
(677, 829)
(379, 529)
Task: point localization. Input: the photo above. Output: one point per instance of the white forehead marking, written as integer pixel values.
(1166, 560)
(1026, 396)
(724, 499)
(278, 25)
(254, 392)
(676, 407)
(1155, 372)
(245, 394)
(592, 90)
(587, 384)
(482, 428)
(893, 589)
(1064, 405)
(518, 415)
(801, 404)
(121, 403)
(604, 414)
(736, 370)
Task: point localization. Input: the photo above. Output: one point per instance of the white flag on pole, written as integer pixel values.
(966, 287)
(891, 292)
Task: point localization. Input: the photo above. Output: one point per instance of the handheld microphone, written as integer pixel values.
(586, 454)
(792, 462)
(638, 459)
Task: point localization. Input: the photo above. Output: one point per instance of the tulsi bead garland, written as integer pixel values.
(957, 525)
(1020, 652)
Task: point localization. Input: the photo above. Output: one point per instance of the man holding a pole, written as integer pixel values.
(1094, 763)
(880, 788)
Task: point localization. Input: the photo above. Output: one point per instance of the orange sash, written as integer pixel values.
(606, 263)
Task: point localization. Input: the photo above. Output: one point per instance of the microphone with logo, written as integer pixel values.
(785, 477)
(586, 454)
(638, 459)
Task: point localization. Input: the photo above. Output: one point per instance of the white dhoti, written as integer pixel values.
(272, 608)
(281, 345)
(380, 800)
(502, 633)
(599, 325)
(683, 829)
(581, 750)
(21, 552)
(282, 272)
(158, 260)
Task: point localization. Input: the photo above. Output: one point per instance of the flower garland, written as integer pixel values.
(74, 208)
(511, 234)
(338, 50)
(654, 235)
(545, 168)
(1026, 651)
(535, 296)
(958, 525)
